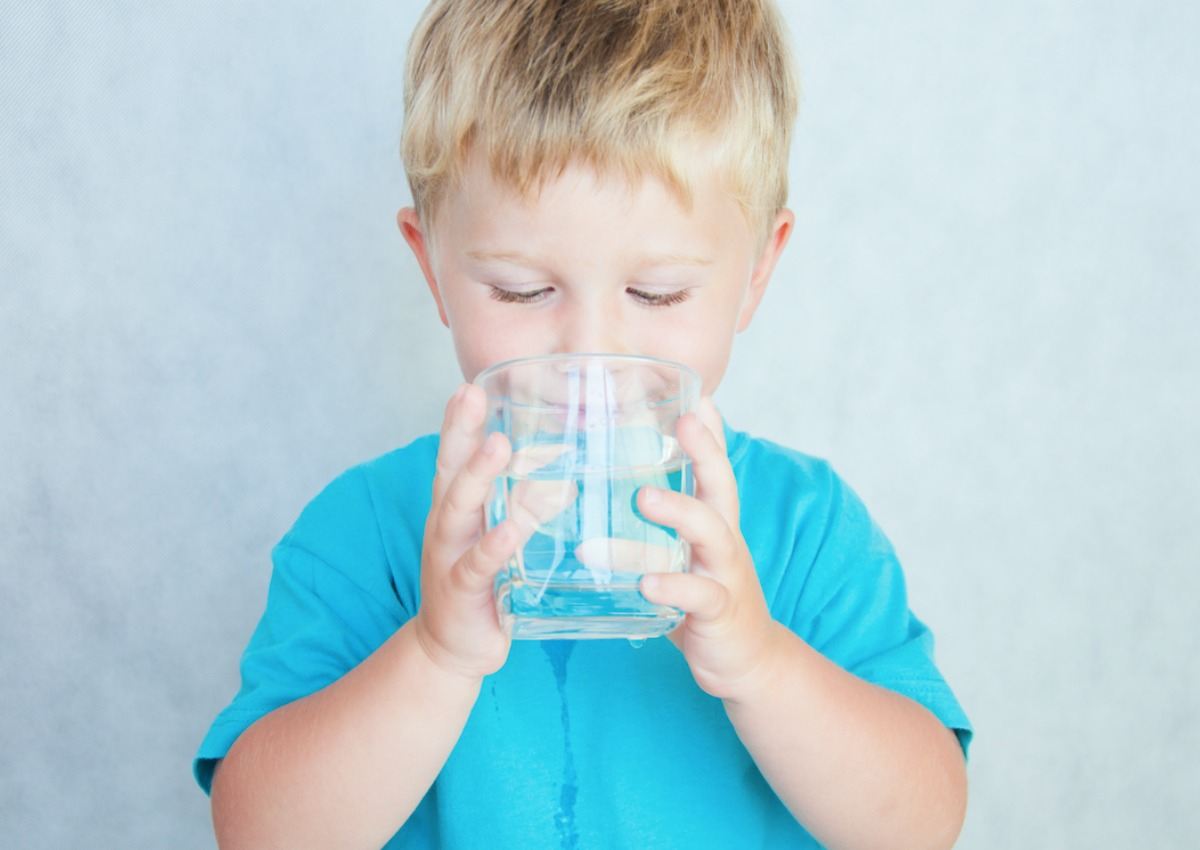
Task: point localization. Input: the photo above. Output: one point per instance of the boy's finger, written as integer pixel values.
(475, 572)
(457, 515)
(461, 435)
(715, 483)
(611, 555)
(711, 417)
(700, 598)
(714, 544)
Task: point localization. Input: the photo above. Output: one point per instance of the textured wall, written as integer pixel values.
(985, 319)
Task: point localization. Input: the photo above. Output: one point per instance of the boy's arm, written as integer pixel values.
(858, 765)
(347, 765)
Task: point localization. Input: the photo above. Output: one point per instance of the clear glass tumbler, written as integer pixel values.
(587, 431)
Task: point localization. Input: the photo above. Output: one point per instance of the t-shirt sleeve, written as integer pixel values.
(842, 588)
(332, 600)
(858, 613)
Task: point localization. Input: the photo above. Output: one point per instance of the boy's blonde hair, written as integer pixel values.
(640, 86)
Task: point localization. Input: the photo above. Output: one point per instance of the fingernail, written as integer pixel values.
(651, 495)
(650, 582)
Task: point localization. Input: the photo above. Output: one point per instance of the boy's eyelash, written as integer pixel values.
(660, 299)
(649, 299)
(517, 296)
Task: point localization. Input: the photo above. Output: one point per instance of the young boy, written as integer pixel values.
(591, 176)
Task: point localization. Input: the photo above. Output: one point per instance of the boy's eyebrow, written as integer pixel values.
(674, 260)
(520, 259)
(514, 257)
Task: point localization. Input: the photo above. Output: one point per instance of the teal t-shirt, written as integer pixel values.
(588, 744)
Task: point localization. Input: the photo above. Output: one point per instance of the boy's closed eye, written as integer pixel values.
(666, 298)
(647, 297)
(519, 296)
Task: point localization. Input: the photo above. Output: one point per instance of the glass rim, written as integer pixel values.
(517, 362)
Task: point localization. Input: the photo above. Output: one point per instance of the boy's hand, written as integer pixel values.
(457, 624)
(727, 635)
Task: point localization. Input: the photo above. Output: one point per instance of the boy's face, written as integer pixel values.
(592, 264)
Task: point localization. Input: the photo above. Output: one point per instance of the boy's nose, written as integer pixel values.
(589, 330)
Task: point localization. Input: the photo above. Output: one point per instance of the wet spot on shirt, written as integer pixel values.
(558, 651)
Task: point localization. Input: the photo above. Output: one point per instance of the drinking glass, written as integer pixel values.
(587, 432)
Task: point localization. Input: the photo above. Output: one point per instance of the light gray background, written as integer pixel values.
(986, 320)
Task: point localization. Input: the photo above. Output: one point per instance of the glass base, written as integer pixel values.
(580, 611)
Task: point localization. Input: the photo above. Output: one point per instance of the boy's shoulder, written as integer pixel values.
(745, 448)
(390, 492)
(388, 474)
(415, 458)
(798, 501)
(759, 463)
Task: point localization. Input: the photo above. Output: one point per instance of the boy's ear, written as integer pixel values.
(410, 228)
(781, 230)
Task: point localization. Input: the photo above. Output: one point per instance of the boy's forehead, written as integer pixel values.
(487, 219)
(481, 182)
